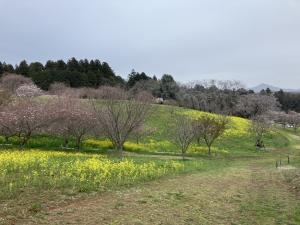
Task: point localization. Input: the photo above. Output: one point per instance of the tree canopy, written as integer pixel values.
(74, 73)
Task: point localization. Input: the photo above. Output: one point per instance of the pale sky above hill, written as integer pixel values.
(253, 41)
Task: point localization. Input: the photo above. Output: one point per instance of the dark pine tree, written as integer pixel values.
(61, 65)
(107, 70)
(73, 65)
(23, 68)
(8, 68)
(135, 77)
(84, 65)
(50, 65)
(92, 66)
(268, 91)
(35, 67)
(98, 65)
(1, 68)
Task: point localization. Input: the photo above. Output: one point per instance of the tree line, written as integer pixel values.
(225, 97)
(74, 73)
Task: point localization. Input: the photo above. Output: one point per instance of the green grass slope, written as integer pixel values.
(235, 141)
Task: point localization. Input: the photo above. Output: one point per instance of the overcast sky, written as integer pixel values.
(253, 41)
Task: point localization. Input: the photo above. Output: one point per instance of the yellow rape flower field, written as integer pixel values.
(77, 171)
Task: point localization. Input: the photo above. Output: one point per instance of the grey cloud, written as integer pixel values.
(249, 40)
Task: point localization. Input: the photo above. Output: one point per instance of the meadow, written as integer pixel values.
(43, 175)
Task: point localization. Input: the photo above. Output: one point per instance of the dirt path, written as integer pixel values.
(244, 194)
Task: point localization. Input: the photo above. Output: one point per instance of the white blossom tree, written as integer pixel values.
(293, 119)
(28, 90)
(253, 105)
(260, 126)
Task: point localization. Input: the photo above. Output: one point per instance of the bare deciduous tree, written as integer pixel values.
(209, 128)
(120, 114)
(184, 133)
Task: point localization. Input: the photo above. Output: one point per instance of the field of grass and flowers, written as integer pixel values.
(44, 175)
(44, 165)
(77, 172)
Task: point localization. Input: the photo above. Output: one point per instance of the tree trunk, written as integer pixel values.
(6, 140)
(209, 150)
(121, 152)
(23, 142)
(183, 155)
(198, 141)
(66, 142)
(78, 142)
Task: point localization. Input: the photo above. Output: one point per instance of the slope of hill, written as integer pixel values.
(264, 86)
(235, 141)
(42, 186)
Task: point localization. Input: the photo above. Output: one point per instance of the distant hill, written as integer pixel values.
(262, 86)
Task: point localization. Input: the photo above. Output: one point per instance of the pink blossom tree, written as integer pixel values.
(8, 124)
(75, 120)
(26, 118)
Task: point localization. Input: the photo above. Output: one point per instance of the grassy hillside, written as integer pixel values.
(235, 141)
(37, 181)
